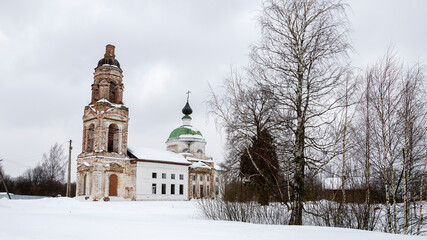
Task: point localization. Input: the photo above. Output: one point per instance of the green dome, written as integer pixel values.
(185, 130)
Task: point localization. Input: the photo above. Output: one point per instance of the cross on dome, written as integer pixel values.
(188, 95)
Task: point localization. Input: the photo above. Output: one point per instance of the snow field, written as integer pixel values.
(65, 218)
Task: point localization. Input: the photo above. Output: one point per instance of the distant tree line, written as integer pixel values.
(45, 179)
(299, 113)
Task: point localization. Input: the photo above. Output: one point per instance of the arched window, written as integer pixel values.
(113, 138)
(90, 138)
(112, 97)
(95, 93)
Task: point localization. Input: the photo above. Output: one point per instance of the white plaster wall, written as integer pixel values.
(195, 146)
(144, 181)
(182, 146)
(179, 144)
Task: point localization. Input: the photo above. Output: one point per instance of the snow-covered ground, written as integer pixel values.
(65, 218)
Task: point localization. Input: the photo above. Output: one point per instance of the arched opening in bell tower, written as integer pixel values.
(95, 93)
(113, 138)
(84, 184)
(112, 96)
(90, 138)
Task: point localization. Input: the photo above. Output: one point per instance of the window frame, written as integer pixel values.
(172, 189)
(163, 188)
(154, 188)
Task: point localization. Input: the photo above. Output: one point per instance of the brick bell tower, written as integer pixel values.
(103, 167)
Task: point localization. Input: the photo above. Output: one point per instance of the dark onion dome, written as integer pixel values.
(109, 57)
(109, 61)
(187, 109)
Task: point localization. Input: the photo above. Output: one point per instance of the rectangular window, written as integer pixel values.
(172, 188)
(181, 176)
(164, 175)
(163, 188)
(216, 190)
(154, 175)
(194, 177)
(216, 179)
(207, 191)
(181, 189)
(194, 190)
(153, 188)
(172, 175)
(201, 178)
(207, 178)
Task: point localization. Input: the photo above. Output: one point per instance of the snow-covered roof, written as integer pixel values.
(199, 165)
(158, 155)
(190, 136)
(198, 159)
(108, 65)
(112, 104)
(185, 154)
(191, 128)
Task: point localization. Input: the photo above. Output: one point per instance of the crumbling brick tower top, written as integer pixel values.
(105, 119)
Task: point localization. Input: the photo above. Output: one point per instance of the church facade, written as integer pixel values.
(107, 167)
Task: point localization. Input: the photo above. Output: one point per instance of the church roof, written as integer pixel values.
(193, 159)
(108, 61)
(158, 155)
(187, 109)
(185, 131)
(109, 57)
(199, 165)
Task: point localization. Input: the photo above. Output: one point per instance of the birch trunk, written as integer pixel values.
(367, 156)
(420, 218)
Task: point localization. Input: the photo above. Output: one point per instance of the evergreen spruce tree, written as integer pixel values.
(260, 166)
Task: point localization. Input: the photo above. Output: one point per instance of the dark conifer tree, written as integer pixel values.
(259, 166)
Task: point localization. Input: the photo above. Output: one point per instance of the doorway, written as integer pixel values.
(112, 190)
(202, 195)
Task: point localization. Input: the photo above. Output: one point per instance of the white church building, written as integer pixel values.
(108, 167)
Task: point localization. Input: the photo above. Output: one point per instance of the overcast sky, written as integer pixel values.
(49, 49)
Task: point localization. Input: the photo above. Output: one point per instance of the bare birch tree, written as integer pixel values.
(246, 112)
(53, 164)
(413, 112)
(300, 60)
(384, 78)
(396, 121)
